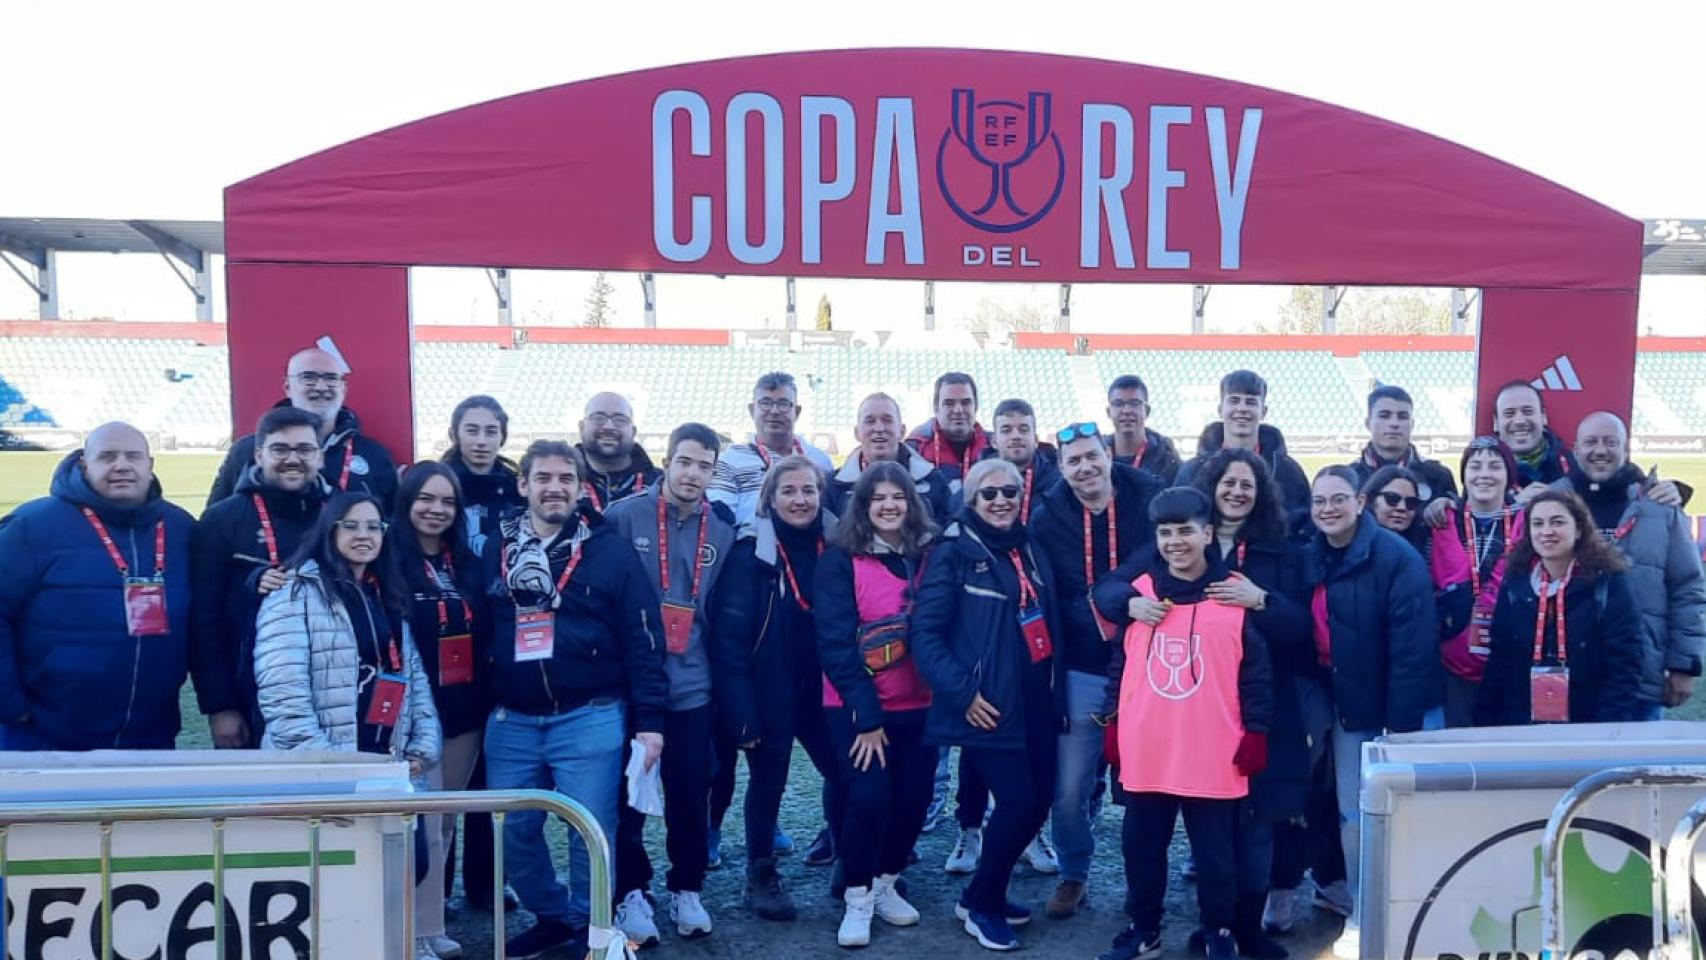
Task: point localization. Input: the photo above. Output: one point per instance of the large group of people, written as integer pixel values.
(1075, 614)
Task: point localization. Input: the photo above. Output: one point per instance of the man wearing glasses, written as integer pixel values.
(317, 382)
(775, 409)
(237, 555)
(617, 466)
(1133, 443)
(1087, 526)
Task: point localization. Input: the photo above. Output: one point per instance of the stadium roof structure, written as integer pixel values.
(187, 246)
(1674, 247)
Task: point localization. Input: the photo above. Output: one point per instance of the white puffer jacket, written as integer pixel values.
(307, 672)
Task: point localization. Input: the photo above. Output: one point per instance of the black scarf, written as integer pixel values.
(801, 545)
(1012, 538)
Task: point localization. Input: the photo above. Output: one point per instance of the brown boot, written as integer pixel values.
(1067, 898)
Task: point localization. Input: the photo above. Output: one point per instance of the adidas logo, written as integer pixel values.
(1561, 375)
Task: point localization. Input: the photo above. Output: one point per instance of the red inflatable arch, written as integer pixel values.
(919, 164)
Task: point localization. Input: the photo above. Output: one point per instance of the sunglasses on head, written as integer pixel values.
(1394, 499)
(1010, 492)
(1077, 431)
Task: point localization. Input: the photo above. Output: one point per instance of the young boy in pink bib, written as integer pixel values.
(1190, 698)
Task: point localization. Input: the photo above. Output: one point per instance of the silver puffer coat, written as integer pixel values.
(307, 672)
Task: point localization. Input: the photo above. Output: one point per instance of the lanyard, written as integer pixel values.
(562, 581)
(1113, 545)
(1623, 530)
(349, 454)
(443, 612)
(118, 558)
(765, 455)
(936, 448)
(794, 585)
(391, 646)
(663, 549)
(1481, 554)
(1238, 552)
(266, 529)
(1540, 617)
(598, 502)
(1027, 593)
(1025, 504)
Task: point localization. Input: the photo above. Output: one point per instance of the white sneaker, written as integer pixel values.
(423, 949)
(968, 850)
(890, 905)
(855, 928)
(688, 912)
(1041, 856)
(446, 948)
(1349, 944)
(1279, 915)
(634, 919)
(1335, 897)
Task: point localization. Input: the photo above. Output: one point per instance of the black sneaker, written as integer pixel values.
(1133, 944)
(1221, 946)
(821, 853)
(542, 936)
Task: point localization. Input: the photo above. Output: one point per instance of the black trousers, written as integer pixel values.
(1253, 851)
(686, 776)
(767, 777)
(885, 803)
(971, 797)
(1022, 782)
(1144, 838)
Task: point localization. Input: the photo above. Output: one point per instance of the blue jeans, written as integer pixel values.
(1077, 785)
(578, 754)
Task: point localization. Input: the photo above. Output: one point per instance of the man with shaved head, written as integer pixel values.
(879, 429)
(318, 382)
(1664, 567)
(618, 466)
(95, 605)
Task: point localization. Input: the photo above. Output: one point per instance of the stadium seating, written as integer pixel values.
(180, 390)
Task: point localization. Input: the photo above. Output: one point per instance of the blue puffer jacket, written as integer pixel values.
(67, 661)
(1380, 619)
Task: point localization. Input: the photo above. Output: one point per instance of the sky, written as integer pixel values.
(129, 110)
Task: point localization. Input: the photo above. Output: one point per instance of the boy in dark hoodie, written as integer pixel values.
(1243, 407)
(1190, 699)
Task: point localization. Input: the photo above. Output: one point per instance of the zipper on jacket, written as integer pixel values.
(136, 662)
(769, 609)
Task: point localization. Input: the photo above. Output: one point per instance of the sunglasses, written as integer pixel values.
(1009, 492)
(1077, 431)
(1394, 500)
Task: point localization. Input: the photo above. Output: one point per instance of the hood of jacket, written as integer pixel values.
(69, 484)
(1270, 442)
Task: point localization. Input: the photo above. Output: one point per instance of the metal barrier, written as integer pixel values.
(1664, 886)
(316, 810)
(1679, 884)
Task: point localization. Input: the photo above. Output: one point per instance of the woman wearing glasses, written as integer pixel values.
(479, 428)
(872, 693)
(1391, 497)
(983, 633)
(1372, 610)
(335, 666)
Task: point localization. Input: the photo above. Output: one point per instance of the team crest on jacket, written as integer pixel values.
(1174, 665)
(358, 465)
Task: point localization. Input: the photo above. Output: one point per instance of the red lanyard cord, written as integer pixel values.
(562, 581)
(1540, 618)
(1027, 593)
(443, 611)
(266, 529)
(663, 549)
(1113, 544)
(1508, 522)
(1025, 503)
(794, 585)
(118, 558)
(349, 454)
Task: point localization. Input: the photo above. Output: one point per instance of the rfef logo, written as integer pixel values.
(1174, 665)
(1000, 165)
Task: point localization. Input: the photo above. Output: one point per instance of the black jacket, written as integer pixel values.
(763, 643)
(1160, 457)
(222, 624)
(371, 471)
(603, 489)
(1057, 529)
(1604, 651)
(1435, 476)
(836, 620)
(965, 633)
(608, 640)
(486, 498)
(1281, 791)
(1293, 483)
(462, 707)
(1383, 632)
(1255, 671)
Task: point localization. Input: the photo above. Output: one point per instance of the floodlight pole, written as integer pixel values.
(1199, 300)
(793, 310)
(649, 288)
(45, 283)
(1330, 297)
(499, 279)
(1064, 324)
(929, 305)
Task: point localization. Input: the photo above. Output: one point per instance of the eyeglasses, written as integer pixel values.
(302, 451)
(311, 378)
(1393, 499)
(609, 420)
(1008, 492)
(1077, 431)
(769, 404)
(1336, 500)
(363, 526)
(1484, 443)
(1129, 404)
